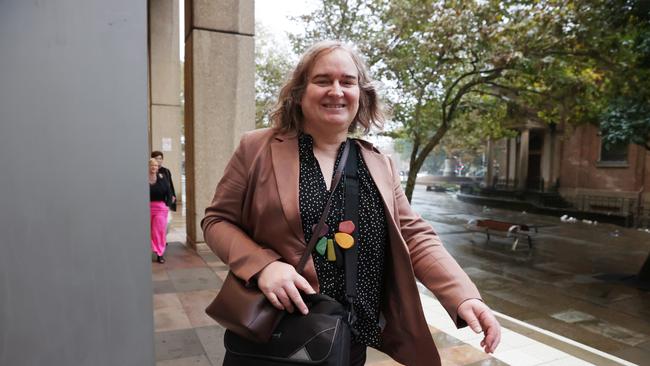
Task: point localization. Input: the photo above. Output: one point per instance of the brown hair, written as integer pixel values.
(287, 114)
(157, 153)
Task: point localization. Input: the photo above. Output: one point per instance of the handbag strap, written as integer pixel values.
(300, 267)
(352, 214)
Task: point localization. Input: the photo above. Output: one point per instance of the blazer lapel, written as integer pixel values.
(381, 174)
(286, 166)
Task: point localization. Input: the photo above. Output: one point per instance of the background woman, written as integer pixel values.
(159, 193)
(274, 189)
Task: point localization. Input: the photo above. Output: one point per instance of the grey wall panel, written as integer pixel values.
(75, 274)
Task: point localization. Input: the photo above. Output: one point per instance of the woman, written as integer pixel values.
(159, 193)
(273, 191)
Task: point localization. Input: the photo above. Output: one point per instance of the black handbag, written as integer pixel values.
(323, 336)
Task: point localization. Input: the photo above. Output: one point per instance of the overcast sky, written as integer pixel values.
(272, 14)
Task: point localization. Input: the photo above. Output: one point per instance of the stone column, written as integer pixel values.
(219, 95)
(165, 86)
(522, 172)
(489, 174)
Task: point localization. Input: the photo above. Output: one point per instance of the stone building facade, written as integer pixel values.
(574, 163)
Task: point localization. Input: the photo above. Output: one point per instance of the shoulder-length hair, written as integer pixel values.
(287, 114)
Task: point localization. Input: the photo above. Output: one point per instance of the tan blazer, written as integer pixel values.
(254, 219)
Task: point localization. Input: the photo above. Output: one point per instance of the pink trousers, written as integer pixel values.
(159, 212)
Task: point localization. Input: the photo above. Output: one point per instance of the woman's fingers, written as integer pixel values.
(303, 285)
(274, 300)
(294, 295)
(480, 318)
(281, 284)
(284, 299)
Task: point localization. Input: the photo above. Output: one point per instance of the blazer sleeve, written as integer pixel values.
(432, 264)
(222, 224)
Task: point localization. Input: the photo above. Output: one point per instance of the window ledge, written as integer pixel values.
(612, 164)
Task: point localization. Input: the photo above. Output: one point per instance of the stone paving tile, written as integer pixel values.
(637, 355)
(211, 259)
(187, 361)
(444, 340)
(161, 301)
(539, 302)
(158, 272)
(212, 340)
(572, 362)
(645, 345)
(166, 319)
(462, 354)
(514, 310)
(169, 313)
(177, 344)
(578, 334)
(163, 287)
(573, 316)
(192, 279)
(615, 332)
(376, 358)
(179, 257)
(488, 362)
(194, 304)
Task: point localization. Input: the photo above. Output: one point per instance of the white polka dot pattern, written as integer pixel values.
(372, 238)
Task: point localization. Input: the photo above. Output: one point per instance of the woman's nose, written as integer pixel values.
(336, 89)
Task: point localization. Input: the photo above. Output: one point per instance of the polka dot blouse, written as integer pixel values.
(372, 238)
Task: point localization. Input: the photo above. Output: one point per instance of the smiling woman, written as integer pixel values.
(280, 184)
(325, 65)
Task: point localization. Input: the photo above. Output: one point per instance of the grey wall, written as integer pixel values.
(75, 273)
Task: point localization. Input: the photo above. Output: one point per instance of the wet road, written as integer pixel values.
(565, 284)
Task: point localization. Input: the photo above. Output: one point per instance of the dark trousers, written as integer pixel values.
(357, 354)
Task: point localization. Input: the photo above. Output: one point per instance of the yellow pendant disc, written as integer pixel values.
(345, 241)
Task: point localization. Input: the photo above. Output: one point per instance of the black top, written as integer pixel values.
(168, 176)
(373, 236)
(160, 190)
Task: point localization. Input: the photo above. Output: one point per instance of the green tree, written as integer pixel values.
(272, 66)
(433, 55)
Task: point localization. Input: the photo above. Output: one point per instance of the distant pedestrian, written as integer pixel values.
(159, 195)
(158, 155)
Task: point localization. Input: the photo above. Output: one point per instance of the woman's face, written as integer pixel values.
(331, 99)
(153, 168)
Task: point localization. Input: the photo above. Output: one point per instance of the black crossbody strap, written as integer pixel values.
(352, 214)
(335, 182)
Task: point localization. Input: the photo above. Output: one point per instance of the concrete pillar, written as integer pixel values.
(219, 95)
(449, 169)
(165, 86)
(512, 161)
(489, 174)
(75, 268)
(522, 171)
(547, 159)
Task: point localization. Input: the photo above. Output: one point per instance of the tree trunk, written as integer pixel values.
(414, 169)
(410, 183)
(644, 273)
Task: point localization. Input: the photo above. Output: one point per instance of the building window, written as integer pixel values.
(616, 153)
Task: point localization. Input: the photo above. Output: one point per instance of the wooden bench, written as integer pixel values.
(503, 229)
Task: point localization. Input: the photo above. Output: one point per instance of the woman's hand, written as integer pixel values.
(280, 283)
(480, 318)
